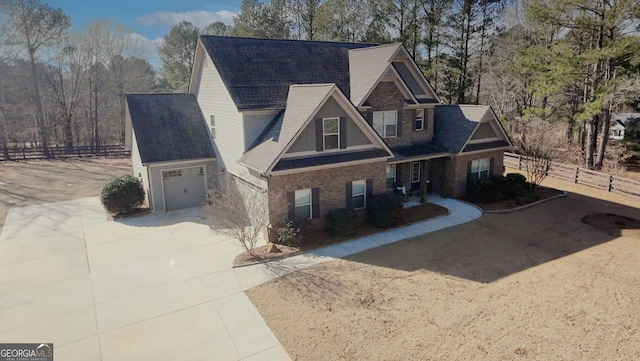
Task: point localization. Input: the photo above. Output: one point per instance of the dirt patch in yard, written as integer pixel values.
(536, 284)
(43, 181)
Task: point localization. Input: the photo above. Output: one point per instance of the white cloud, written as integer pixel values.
(199, 18)
(143, 47)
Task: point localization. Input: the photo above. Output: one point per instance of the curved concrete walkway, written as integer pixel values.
(156, 287)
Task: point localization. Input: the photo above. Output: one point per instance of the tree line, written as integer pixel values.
(570, 62)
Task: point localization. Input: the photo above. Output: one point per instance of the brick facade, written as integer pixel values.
(386, 96)
(332, 183)
(460, 167)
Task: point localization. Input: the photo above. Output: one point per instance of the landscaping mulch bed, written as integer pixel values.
(527, 198)
(319, 239)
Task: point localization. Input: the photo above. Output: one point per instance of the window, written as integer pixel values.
(415, 172)
(171, 174)
(359, 193)
(303, 203)
(331, 133)
(386, 123)
(212, 126)
(419, 119)
(391, 176)
(480, 168)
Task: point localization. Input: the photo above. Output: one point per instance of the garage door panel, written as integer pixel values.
(184, 188)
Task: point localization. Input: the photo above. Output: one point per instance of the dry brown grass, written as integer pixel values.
(537, 284)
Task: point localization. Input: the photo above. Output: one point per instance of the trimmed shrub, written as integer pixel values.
(384, 210)
(481, 190)
(122, 194)
(341, 222)
(292, 233)
(516, 178)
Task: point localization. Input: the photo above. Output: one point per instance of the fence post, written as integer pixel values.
(575, 178)
(610, 183)
(519, 162)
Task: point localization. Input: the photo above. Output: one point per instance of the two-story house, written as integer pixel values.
(324, 124)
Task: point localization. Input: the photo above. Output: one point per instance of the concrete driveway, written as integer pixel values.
(157, 287)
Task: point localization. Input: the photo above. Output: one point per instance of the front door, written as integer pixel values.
(416, 176)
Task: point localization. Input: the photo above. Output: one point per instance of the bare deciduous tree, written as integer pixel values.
(241, 210)
(540, 147)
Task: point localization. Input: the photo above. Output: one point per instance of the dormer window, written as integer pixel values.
(331, 133)
(386, 123)
(419, 119)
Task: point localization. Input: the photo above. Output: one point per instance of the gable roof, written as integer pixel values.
(258, 72)
(367, 65)
(303, 103)
(455, 124)
(168, 127)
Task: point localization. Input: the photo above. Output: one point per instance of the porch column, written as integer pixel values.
(423, 180)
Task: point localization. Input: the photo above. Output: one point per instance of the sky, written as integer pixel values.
(151, 20)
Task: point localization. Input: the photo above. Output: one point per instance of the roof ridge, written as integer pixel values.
(289, 40)
(376, 46)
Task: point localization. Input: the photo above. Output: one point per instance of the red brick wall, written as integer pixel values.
(332, 184)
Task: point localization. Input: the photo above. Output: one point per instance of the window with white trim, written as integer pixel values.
(415, 172)
(391, 176)
(212, 125)
(386, 123)
(419, 119)
(480, 168)
(331, 133)
(303, 203)
(359, 194)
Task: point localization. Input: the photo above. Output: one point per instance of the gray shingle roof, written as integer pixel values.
(169, 127)
(454, 124)
(417, 150)
(331, 158)
(258, 72)
(488, 145)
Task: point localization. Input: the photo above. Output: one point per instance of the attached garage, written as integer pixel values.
(171, 149)
(184, 188)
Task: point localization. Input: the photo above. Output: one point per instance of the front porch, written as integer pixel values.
(414, 200)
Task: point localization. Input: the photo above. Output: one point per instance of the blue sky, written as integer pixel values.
(150, 19)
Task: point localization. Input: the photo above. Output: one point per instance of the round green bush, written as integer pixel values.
(481, 191)
(341, 222)
(122, 194)
(385, 210)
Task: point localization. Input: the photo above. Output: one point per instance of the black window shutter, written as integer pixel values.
(468, 170)
(315, 203)
(291, 201)
(369, 188)
(319, 135)
(348, 196)
(398, 174)
(343, 133)
(399, 131)
(370, 117)
(413, 112)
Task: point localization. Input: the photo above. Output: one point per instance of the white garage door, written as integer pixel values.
(184, 188)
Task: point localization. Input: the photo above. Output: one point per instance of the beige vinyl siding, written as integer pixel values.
(307, 139)
(214, 98)
(254, 124)
(139, 170)
(484, 130)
